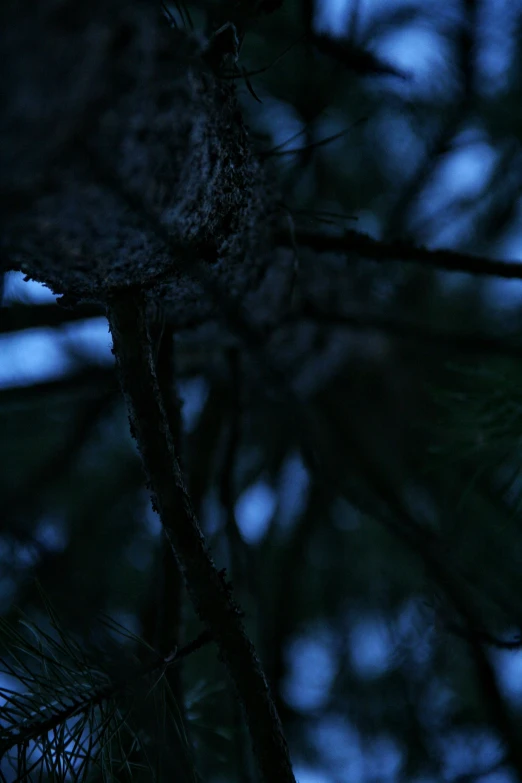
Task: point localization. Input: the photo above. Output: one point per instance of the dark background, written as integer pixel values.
(341, 563)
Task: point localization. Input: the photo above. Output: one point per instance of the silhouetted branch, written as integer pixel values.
(53, 466)
(238, 553)
(227, 493)
(428, 548)
(209, 592)
(275, 153)
(354, 243)
(450, 125)
(484, 637)
(355, 58)
(16, 317)
(90, 380)
(454, 342)
(170, 603)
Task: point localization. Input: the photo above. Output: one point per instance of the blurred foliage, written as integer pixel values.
(396, 481)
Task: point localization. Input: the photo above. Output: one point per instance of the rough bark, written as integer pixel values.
(123, 160)
(126, 175)
(210, 593)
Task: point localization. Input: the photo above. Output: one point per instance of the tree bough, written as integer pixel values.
(210, 593)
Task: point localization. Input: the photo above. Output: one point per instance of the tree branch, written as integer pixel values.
(428, 547)
(207, 588)
(359, 244)
(466, 342)
(16, 317)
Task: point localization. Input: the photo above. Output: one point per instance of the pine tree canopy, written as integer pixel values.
(261, 391)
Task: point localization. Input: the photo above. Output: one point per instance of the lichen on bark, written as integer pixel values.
(125, 159)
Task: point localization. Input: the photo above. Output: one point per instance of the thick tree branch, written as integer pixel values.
(206, 586)
(355, 243)
(16, 317)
